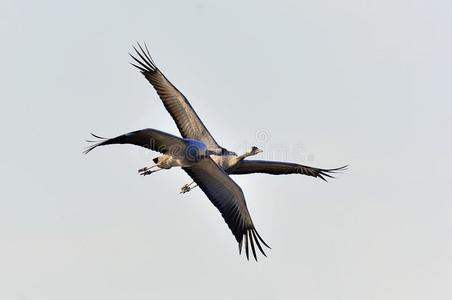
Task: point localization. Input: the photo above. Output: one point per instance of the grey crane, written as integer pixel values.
(190, 125)
(202, 158)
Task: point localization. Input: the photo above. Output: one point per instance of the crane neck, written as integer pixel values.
(244, 155)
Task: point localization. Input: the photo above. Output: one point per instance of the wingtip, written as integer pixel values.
(98, 137)
(320, 175)
(260, 238)
(145, 63)
(340, 169)
(97, 143)
(246, 248)
(328, 172)
(86, 151)
(252, 239)
(252, 244)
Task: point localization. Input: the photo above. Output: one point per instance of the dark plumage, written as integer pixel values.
(248, 166)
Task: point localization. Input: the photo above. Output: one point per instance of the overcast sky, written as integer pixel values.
(323, 83)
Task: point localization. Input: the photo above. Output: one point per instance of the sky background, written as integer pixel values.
(323, 83)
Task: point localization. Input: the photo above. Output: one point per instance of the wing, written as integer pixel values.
(280, 168)
(187, 121)
(228, 198)
(148, 138)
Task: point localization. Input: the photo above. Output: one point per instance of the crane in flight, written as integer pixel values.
(202, 158)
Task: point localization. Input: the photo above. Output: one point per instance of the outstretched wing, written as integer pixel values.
(228, 198)
(187, 121)
(148, 138)
(282, 168)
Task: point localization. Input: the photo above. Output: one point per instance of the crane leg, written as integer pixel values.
(186, 188)
(148, 170)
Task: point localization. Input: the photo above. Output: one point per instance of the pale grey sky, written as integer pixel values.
(324, 83)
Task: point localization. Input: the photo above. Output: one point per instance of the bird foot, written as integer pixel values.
(148, 172)
(186, 188)
(143, 169)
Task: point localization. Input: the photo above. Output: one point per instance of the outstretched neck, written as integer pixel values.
(220, 152)
(244, 155)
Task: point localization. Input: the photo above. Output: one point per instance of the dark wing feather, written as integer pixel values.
(228, 198)
(183, 114)
(281, 168)
(148, 138)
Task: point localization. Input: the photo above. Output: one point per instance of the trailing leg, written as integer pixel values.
(188, 187)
